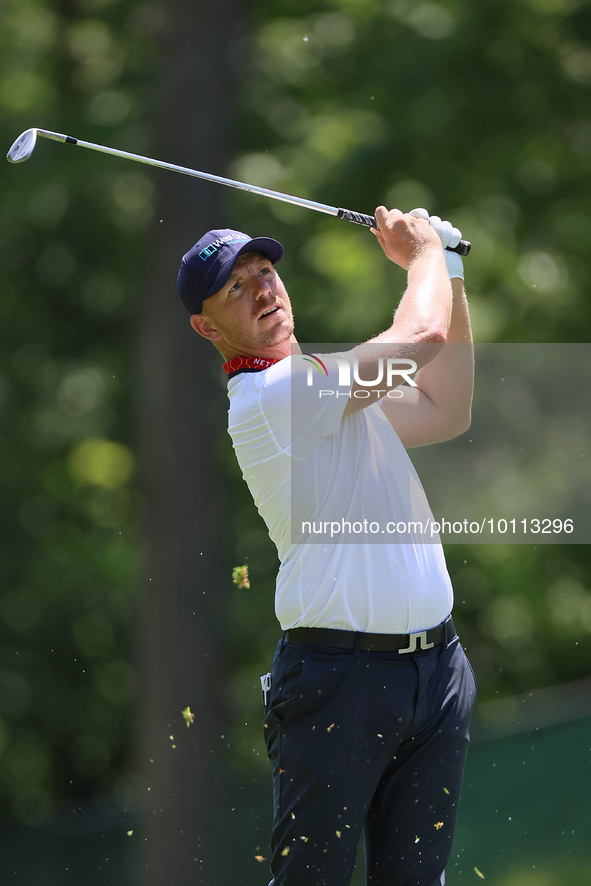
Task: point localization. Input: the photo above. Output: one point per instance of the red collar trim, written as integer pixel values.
(247, 364)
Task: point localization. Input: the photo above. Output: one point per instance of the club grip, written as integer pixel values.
(358, 218)
(369, 221)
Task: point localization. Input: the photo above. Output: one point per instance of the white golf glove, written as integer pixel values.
(449, 236)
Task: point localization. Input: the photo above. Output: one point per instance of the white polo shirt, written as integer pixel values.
(309, 470)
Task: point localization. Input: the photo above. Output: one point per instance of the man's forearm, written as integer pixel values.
(460, 329)
(422, 320)
(425, 310)
(448, 380)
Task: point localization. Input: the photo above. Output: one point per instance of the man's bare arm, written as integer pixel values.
(421, 322)
(439, 407)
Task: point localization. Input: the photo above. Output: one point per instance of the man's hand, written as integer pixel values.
(404, 236)
(449, 236)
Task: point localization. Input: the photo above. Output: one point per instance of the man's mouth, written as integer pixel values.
(269, 311)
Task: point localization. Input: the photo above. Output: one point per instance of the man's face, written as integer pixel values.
(251, 314)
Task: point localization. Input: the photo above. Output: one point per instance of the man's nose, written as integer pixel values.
(260, 287)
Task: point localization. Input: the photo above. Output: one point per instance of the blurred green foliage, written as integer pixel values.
(71, 247)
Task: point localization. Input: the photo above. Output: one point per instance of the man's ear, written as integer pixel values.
(201, 324)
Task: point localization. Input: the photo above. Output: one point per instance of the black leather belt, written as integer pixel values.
(400, 643)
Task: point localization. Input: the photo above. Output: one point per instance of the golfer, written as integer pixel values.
(369, 697)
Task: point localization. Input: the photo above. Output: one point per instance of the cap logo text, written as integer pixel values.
(217, 244)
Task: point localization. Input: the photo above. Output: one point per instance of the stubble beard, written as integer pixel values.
(265, 338)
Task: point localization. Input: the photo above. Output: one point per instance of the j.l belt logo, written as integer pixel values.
(422, 636)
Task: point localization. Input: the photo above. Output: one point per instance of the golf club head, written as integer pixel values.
(23, 147)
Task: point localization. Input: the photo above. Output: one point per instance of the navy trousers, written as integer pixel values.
(366, 743)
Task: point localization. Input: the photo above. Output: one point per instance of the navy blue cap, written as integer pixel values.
(207, 266)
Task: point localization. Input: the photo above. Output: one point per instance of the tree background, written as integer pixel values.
(122, 508)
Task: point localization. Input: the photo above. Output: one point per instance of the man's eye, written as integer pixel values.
(265, 270)
(235, 287)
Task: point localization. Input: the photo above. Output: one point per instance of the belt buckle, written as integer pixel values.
(412, 647)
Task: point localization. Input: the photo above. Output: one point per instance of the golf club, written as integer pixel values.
(24, 145)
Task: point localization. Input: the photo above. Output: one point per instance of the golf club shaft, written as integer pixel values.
(368, 221)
